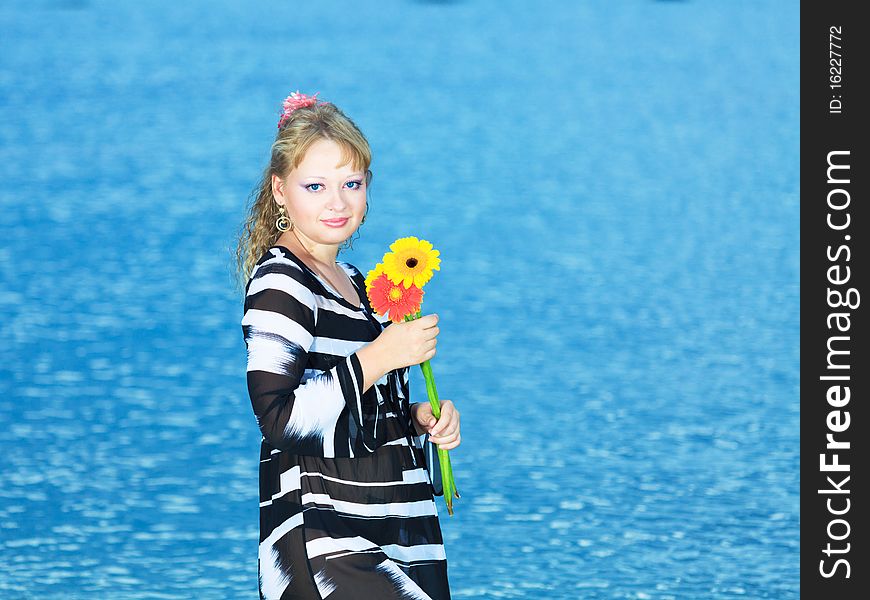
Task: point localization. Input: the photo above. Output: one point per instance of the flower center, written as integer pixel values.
(395, 293)
(411, 263)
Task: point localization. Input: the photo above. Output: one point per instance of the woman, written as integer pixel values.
(346, 501)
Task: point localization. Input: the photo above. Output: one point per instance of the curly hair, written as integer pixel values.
(304, 127)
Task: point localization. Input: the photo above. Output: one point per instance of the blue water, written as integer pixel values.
(613, 187)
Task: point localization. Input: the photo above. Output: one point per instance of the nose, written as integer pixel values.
(336, 202)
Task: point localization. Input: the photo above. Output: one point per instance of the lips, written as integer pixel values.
(336, 222)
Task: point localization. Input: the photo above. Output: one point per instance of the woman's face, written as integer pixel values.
(320, 193)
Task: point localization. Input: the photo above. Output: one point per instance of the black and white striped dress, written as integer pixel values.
(347, 508)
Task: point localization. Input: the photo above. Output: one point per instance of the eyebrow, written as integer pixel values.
(357, 174)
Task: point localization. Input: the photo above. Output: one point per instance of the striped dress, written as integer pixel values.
(347, 508)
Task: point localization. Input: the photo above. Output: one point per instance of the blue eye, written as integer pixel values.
(310, 188)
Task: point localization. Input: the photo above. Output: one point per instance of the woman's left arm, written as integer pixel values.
(443, 431)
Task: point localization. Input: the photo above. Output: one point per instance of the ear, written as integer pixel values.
(278, 188)
(368, 177)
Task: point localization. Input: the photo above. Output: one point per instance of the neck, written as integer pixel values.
(322, 253)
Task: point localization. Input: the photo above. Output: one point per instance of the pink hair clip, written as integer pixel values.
(297, 100)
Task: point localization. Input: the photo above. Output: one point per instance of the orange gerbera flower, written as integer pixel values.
(394, 299)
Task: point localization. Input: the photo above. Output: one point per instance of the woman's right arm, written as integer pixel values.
(328, 415)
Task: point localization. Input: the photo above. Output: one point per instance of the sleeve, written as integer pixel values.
(322, 416)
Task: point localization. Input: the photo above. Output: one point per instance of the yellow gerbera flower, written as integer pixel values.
(374, 274)
(411, 261)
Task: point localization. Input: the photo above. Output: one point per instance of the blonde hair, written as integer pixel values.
(304, 127)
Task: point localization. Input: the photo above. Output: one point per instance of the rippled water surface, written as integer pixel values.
(613, 187)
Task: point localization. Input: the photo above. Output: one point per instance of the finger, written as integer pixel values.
(447, 408)
(444, 429)
(448, 419)
(445, 438)
(447, 422)
(438, 427)
(449, 431)
(450, 445)
(425, 417)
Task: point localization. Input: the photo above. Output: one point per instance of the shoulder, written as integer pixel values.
(277, 272)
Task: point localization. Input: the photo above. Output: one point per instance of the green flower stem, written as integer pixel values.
(447, 482)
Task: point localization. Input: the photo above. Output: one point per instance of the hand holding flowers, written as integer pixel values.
(443, 431)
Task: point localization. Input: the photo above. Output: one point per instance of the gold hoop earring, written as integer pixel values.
(283, 223)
